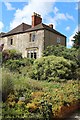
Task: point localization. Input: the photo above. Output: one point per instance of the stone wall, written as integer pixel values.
(30, 42)
(51, 38)
(21, 42)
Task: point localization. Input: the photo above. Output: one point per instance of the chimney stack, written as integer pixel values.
(51, 26)
(36, 19)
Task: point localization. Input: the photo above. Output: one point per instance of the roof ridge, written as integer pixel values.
(28, 28)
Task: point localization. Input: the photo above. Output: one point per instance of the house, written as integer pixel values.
(31, 40)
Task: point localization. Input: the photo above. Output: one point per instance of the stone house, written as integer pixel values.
(31, 40)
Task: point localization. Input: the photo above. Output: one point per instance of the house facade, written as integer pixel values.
(31, 40)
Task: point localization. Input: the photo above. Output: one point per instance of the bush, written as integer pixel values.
(0, 58)
(52, 67)
(67, 53)
(7, 85)
(78, 73)
(10, 54)
(5, 55)
(14, 65)
(15, 54)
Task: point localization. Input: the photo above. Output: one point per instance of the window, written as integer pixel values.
(32, 54)
(58, 40)
(28, 55)
(35, 55)
(32, 37)
(11, 42)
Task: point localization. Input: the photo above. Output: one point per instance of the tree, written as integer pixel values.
(76, 40)
(62, 51)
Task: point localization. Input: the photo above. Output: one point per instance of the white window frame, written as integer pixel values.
(29, 52)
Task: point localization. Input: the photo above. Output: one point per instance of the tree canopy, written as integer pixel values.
(76, 40)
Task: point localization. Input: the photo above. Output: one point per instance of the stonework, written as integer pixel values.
(32, 40)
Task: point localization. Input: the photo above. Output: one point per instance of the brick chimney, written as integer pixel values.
(51, 26)
(36, 19)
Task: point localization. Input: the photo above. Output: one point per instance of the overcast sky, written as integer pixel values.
(63, 15)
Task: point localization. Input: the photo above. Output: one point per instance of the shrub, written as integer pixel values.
(10, 54)
(14, 65)
(78, 73)
(67, 53)
(0, 58)
(7, 85)
(15, 54)
(51, 67)
(5, 55)
(46, 110)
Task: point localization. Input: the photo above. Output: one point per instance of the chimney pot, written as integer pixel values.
(34, 13)
(51, 26)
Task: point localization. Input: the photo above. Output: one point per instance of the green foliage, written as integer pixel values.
(21, 111)
(78, 73)
(7, 85)
(15, 54)
(0, 58)
(15, 65)
(70, 54)
(46, 110)
(17, 112)
(10, 54)
(77, 40)
(52, 67)
(78, 57)
(43, 99)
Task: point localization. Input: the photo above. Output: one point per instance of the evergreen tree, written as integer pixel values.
(76, 40)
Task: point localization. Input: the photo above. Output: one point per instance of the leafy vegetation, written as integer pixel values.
(7, 85)
(62, 51)
(41, 89)
(42, 99)
(53, 68)
(16, 64)
(76, 40)
(10, 54)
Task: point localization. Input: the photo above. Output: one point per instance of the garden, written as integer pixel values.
(43, 89)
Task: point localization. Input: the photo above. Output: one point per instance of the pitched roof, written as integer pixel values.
(43, 26)
(1, 34)
(22, 28)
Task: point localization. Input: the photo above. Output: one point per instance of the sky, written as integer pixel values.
(63, 15)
